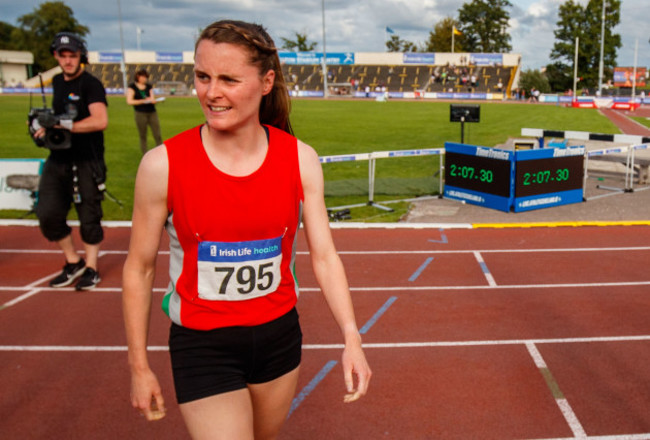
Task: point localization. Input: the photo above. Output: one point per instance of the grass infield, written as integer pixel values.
(330, 126)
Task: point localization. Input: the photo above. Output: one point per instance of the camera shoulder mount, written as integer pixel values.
(44, 117)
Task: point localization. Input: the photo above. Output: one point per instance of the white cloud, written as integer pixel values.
(172, 25)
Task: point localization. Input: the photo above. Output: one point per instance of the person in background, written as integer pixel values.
(232, 193)
(140, 95)
(76, 174)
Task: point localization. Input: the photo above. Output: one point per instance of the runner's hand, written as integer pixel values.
(355, 363)
(146, 395)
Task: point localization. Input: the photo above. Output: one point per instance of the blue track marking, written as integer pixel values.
(377, 315)
(443, 237)
(484, 269)
(417, 273)
(311, 386)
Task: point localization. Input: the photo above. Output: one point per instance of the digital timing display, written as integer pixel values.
(550, 175)
(482, 174)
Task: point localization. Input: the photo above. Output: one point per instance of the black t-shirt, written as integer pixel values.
(73, 97)
(141, 95)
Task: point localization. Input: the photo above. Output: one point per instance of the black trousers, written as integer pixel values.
(56, 194)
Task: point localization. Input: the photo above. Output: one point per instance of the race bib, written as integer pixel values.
(238, 271)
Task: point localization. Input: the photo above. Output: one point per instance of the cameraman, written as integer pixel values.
(74, 173)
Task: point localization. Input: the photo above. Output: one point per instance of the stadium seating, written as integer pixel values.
(177, 77)
(171, 73)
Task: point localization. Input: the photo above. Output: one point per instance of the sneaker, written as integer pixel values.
(71, 271)
(88, 280)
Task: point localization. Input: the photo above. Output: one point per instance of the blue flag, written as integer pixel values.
(389, 30)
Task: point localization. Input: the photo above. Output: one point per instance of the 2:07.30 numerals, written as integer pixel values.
(545, 176)
(466, 172)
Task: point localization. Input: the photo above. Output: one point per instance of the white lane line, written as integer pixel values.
(42, 280)
(572, 419)
(645, 436)
(484, 268)
(536, 355)
(20, 298)
(524, 287)
(561, 401)
(387, 252)
(641, 338)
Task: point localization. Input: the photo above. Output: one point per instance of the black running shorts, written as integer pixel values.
(206, 363)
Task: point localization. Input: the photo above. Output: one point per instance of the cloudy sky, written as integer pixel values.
(358, 26)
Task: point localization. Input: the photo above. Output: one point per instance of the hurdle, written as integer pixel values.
(372, 158)
(625, 155)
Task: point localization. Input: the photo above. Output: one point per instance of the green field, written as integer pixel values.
(642, 121)
(332, 127)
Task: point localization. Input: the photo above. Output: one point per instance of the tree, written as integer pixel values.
(529, 79)
(559, 76)
(395, 44)
(300, 44)
(6, 43)
(484, 24)
(585, 22)
(440, 37)
(37, 30)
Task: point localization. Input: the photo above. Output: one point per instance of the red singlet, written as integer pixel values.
(232, 239)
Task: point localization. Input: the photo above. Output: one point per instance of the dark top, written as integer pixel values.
(141, 95)
(73, 98)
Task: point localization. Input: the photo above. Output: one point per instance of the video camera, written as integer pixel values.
(55, 138)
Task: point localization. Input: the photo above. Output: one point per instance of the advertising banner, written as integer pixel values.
(169, 57)
(486, 59)
(110, 57)
(624, 76)
(310, 58)
(419, 58)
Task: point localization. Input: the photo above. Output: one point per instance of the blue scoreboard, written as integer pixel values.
(508, 180)
(548, 177)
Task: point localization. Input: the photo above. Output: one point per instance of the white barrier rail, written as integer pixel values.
(372, 159)
(630, 161)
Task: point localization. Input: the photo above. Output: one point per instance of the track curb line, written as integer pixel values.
(562, 224)
(359, 225)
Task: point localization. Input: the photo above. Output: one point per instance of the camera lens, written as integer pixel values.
(57, 139)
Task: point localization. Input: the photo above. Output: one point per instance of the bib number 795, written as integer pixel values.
(246, 278)
(239, 271)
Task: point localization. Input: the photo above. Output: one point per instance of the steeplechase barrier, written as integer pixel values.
(372, 158)
(625, 155)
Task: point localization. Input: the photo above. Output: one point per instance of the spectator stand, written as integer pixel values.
(401, 75)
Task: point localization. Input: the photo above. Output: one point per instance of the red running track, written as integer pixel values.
(539, 333)
(627, 125)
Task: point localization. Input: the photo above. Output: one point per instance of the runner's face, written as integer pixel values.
(69, 61)
(228, 86)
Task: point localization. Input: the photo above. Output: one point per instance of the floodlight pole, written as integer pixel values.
(636, 50)
(602, 52)
(324, 52)
(138, 32)
(453, 34)
(575, 71)
(122, 61)
(462, 129)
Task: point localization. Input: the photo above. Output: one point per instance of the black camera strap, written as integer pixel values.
(98, 165)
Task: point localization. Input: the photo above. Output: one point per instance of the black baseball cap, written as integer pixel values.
(68, 41)
(71, 42)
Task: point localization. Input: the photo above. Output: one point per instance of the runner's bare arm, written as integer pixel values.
(330, 273)
(149, 216)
